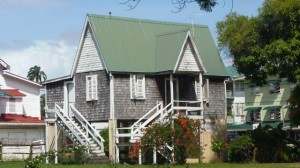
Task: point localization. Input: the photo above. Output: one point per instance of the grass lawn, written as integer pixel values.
(211, 165)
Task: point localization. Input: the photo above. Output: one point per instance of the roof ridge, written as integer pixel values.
(144, 20)
(173, 32)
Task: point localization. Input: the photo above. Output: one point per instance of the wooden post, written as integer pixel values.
(1, 151)
(171, 90)
(154, 155)
(30, 151)
(55, 143)
(140, 156)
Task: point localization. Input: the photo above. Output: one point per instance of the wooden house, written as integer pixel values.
(20, 115)
(125, 68)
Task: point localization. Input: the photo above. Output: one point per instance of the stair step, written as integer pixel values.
(97, 159)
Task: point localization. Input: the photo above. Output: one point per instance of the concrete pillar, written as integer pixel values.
(112, 125)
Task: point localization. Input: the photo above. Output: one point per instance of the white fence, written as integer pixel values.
(9, 152)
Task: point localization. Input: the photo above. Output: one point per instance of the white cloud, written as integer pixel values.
(54, 57)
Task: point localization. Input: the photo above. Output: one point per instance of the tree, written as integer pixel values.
(35, 74)
(42, 105)
(267, 44)
(205, 5)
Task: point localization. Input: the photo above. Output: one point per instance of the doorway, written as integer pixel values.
(69, 94)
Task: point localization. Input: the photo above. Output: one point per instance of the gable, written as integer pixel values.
(189, 60)
(88, 58)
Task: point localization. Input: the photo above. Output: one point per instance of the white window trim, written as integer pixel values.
(93, 94)
(137, 87)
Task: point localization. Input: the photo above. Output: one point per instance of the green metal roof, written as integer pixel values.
(168, 48)
(240, 127)
(134, 45)
(232, 71)
(271, 107)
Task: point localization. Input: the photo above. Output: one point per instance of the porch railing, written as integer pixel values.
(158, 113)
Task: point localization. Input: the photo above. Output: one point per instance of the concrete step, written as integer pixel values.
(97, 159)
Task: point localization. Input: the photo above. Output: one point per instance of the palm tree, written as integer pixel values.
(35, 74)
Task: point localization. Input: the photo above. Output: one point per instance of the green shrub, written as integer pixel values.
(241, 149)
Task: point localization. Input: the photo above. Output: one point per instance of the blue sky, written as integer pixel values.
(47, 32)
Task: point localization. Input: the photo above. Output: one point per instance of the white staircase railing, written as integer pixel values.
(71, 126)
(159, 113)
(89, 129)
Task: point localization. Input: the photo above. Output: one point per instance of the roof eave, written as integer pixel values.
(7, 73)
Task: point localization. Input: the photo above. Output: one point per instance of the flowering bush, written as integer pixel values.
(180, 134)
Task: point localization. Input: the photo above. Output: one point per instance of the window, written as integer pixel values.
(274, 87)
(12, 105)
(205, 89)
(137, 86)
(239, 86)
(91, 88)
(254, 90)
(239, 89)
(255, 115)
(275, 114)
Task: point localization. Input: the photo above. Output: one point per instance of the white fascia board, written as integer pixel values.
(57, 79)
(79, 48)
(200, 63)
(7, 73)
(180, 54)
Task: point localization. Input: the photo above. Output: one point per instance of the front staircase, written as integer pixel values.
(159, 113)
(79, 130)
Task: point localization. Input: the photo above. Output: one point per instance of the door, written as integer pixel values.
(168, 90)
(69, 97)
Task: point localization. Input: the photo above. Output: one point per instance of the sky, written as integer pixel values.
(47, 32)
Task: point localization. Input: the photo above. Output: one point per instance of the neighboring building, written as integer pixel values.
(265, 104)
(235, 97)
(20, 116)
(125, 67)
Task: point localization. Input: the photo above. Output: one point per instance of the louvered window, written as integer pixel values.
(91, 88)
(137, 86)
(205, 89)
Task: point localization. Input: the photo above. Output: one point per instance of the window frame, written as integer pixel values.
(275, 112)
(91, 88)
(256, 115)
(137, 87)
(274, 87)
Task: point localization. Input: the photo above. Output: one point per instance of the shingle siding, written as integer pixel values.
(127, 108)
(98, 110)
(216, 106)
(55, 94)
